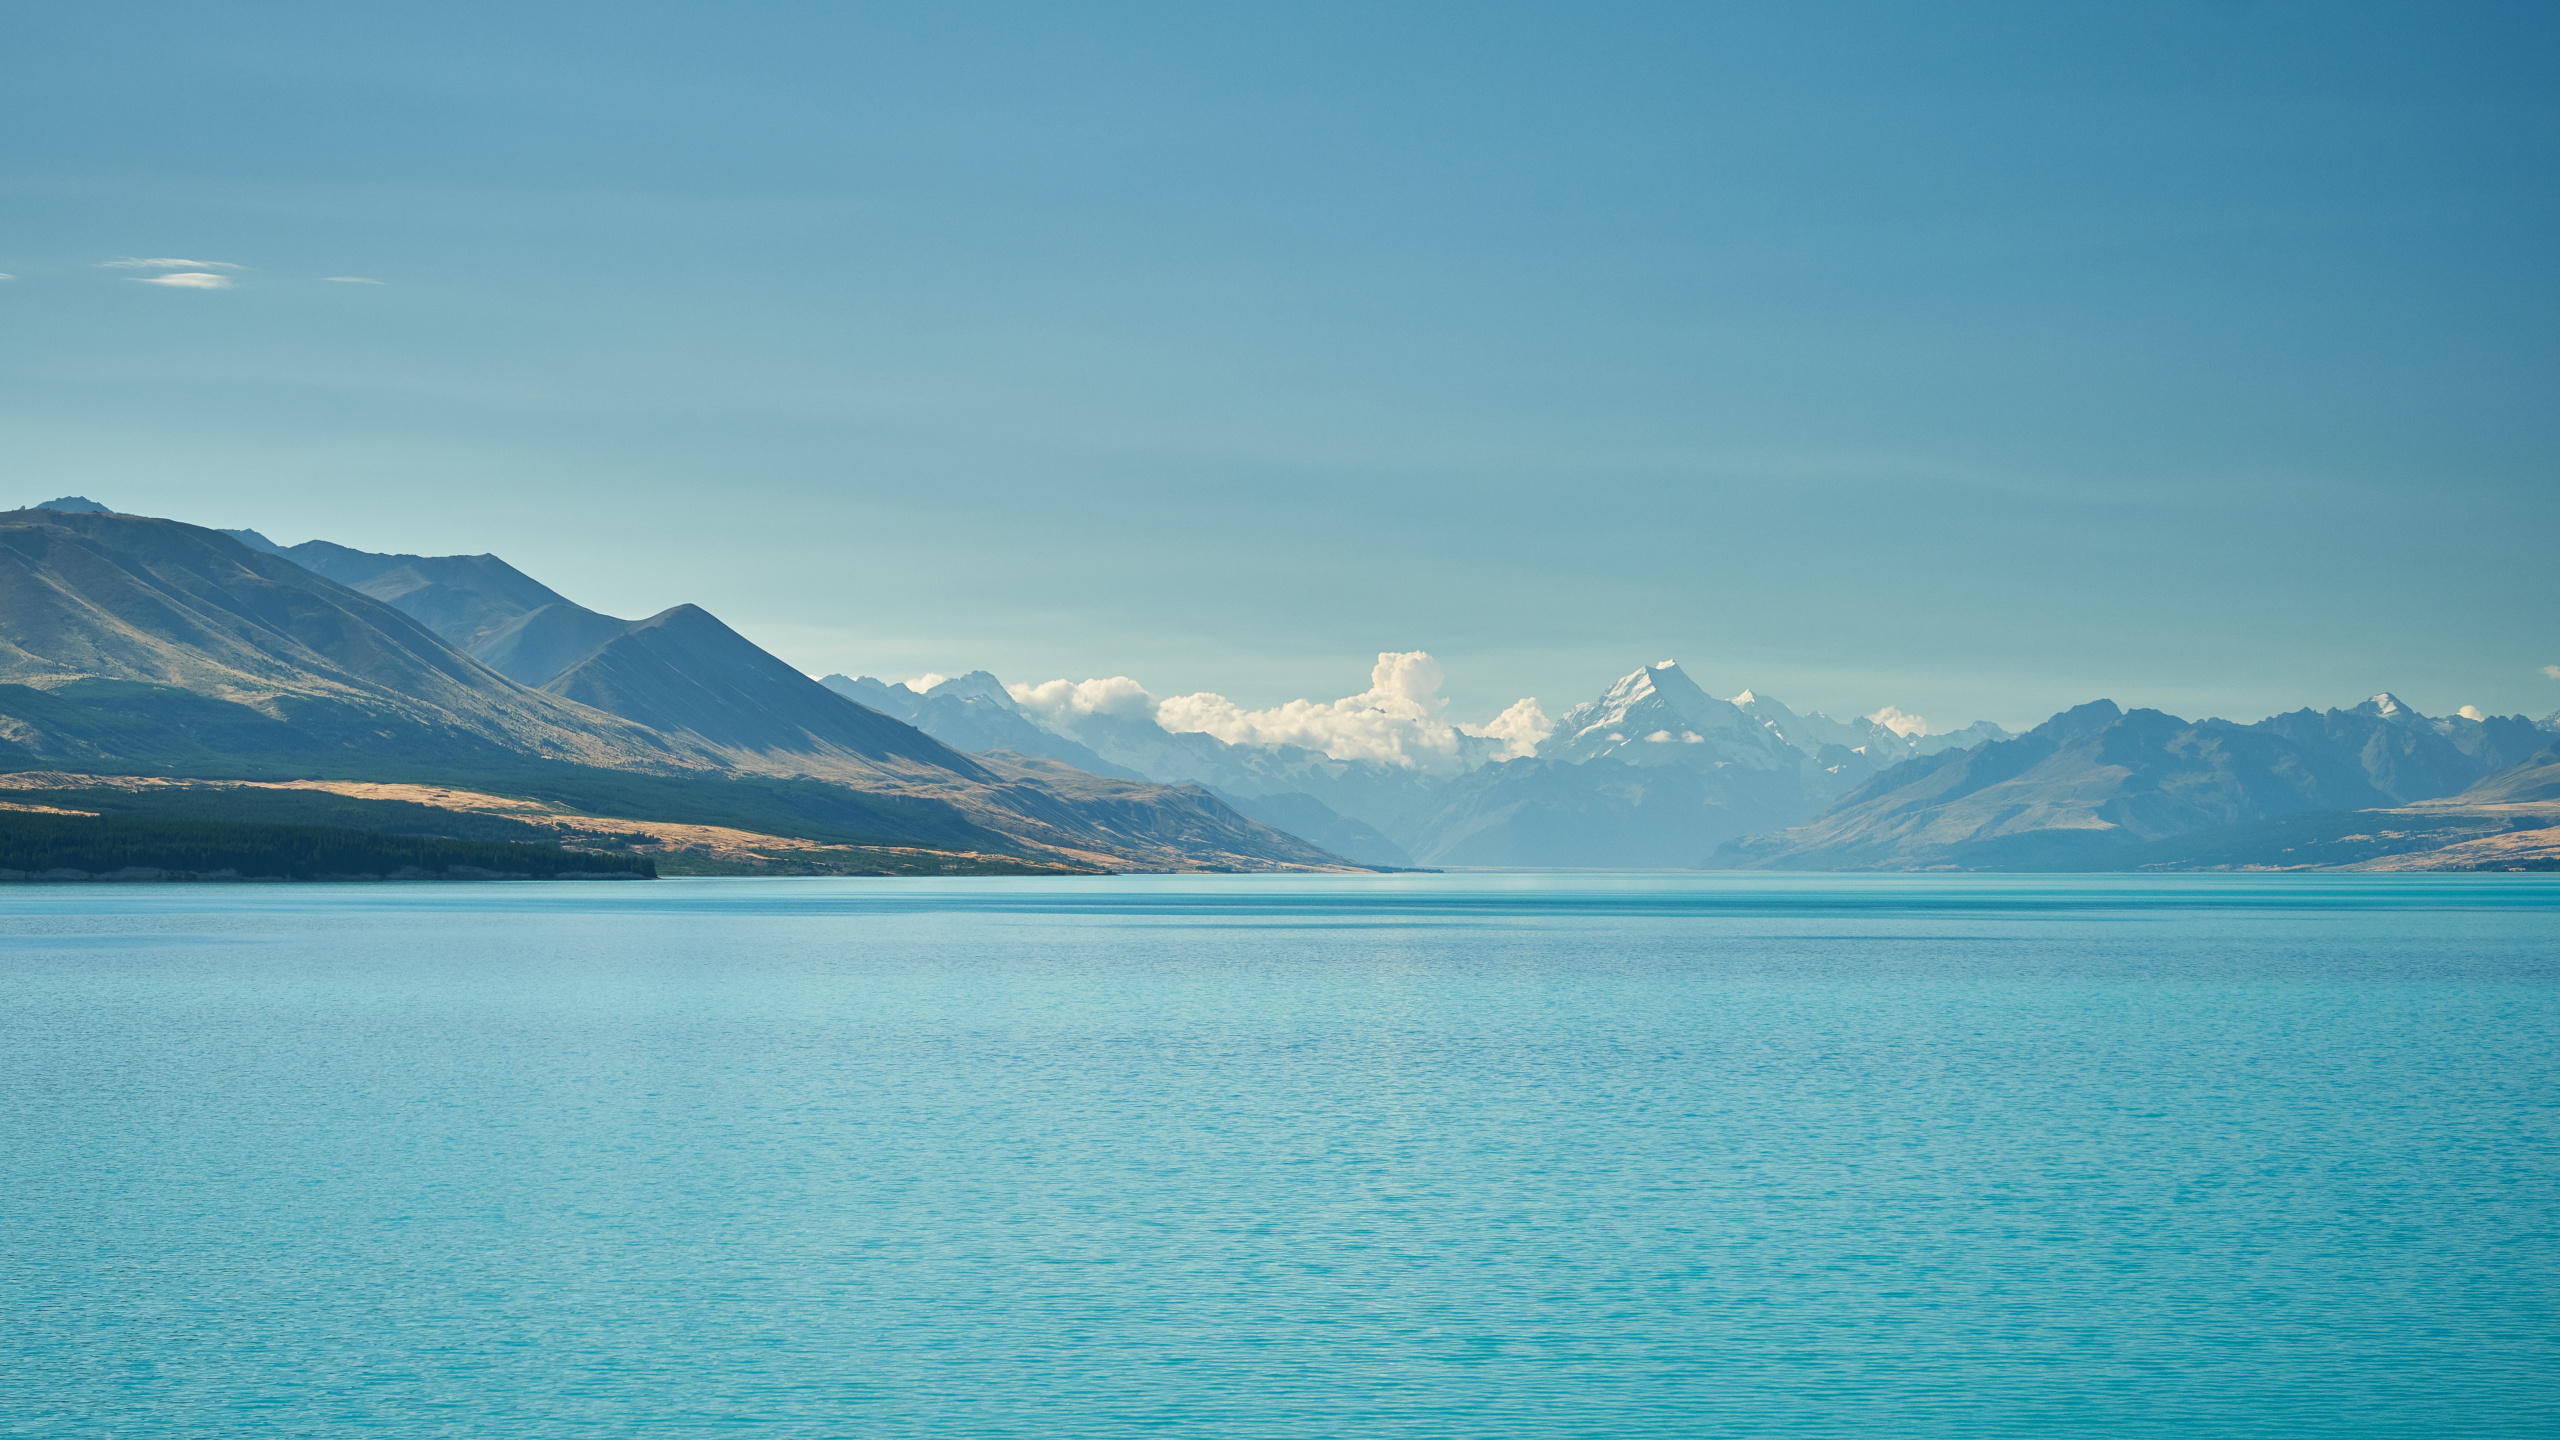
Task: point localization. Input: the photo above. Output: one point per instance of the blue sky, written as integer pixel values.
(1980, 360)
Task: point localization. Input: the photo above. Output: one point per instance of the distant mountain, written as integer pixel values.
(974, 713)
(2097, 787)
(1139, 817)
(1855, 749)
(1655, 773)
(1372, 792)
(75, 505)
(2406, 755)
(1659, 716)
(2535, 778)
(134, 645)
(1605, 812)
(1306, 816)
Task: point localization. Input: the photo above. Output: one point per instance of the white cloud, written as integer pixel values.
(924, 682)
(2552, 670)
(1062, 701)
(187, 280)
(1519, 728)
(352, 279)
(129, 263)
(1398, 720)
(8, 277)
(1899, 723)
(2470, 712)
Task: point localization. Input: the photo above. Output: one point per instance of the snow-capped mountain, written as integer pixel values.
(1659, 716)
(1656, 772)
(1857, 747)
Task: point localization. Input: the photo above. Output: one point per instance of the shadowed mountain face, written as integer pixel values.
(464, 598)
(540, 644)
(134, 645)
(99, 613)
(682, 672)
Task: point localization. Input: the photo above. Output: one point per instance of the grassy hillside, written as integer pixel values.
(244, 806)
(32, 846)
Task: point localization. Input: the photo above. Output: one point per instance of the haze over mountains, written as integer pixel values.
(146, 643)
(1658, 773)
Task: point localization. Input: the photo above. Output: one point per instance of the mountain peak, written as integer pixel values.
(75, 505)
(976, 685)
(255, 541)
(2081, 719)
(2388, 706)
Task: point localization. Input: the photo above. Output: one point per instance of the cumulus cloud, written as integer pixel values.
(187, 280)
(924, 682)
(1519, 728)
(2552, 670)
(1063, 702)
(351, 279)
(2470, 712)
(1899, 723)
(130, 263)
(1399, 719)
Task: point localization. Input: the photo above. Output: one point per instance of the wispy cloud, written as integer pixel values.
(188, 280)
(352, 279)
(130, 263)
(8, 277)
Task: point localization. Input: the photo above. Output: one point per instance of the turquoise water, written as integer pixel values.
(1249, 1156)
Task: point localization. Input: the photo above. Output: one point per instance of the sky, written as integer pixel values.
(1977, 360)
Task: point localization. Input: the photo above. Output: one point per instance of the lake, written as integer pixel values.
(1415, 1155)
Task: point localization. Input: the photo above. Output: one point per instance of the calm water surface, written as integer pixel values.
(1395, 1156)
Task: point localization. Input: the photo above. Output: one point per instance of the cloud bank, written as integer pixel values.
(1399, 720)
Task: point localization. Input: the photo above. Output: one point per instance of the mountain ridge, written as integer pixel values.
(130, 641)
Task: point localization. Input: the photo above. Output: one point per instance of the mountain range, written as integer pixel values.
(136, 646)
(2099, 787)
(131, 645)
(1658, 773)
